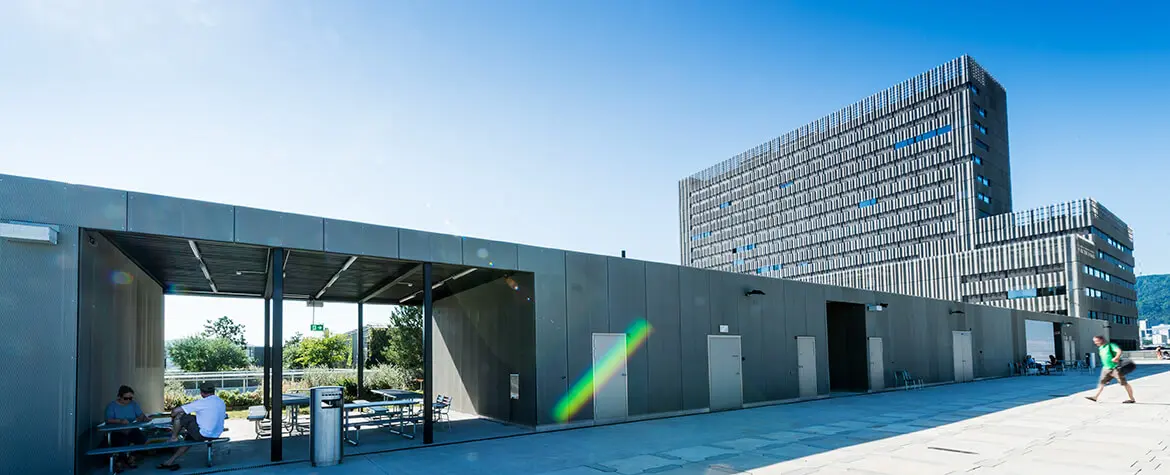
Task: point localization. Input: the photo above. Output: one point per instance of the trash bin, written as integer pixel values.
(325, 420)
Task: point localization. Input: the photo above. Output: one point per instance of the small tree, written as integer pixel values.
(291, 354)
(225, 328)
(405, 346)
(199, 354)
(330, 351)
(379, 342)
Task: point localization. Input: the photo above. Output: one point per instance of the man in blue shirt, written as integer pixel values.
(125, 410)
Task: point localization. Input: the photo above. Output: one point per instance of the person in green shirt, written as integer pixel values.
(1110, 356)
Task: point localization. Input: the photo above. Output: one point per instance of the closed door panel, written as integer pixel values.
(806, 365)
(725, 368)
(877, 372)
(609, 377)
(961, 342)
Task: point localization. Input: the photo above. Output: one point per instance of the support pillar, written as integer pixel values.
(277, 386)
(361, 353)
(428, 362)
(266, 381)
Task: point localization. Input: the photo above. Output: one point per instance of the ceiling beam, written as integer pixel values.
(268, 275)
(390, 282)
(202, 265)
(336, 276)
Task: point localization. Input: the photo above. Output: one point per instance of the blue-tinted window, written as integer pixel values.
(1112, 242)
(785, 185)
(911, 141)
(982, 197)
(983, 180)
(1113, 260)
(980, 144)
(1021, 294)
(738, 262)
(867, 203)
(974, 90)
(701, 236)
(977, 159)
(981, 128)
(980, 111)
(745, 247)
(1107, 277)
(1099, 294)
(777, 266)
(725, 204)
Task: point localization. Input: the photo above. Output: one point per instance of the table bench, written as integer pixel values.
(113, 452)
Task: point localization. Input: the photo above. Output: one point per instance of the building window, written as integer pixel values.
(725, 204)
(1109, 239)
(977, 159)
(982, 197)
(911, 141)
(974, 90)
(1113, 260)
(980, 144)
(701, 236)
(981, 128)
(1040, 292)
(980, 111)
(867, 203)
(982, 180)
(738, 262)
(785, 185)
(1107, 277)
(745, 247)
(1099, 294)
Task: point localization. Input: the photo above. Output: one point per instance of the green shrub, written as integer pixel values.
(239, 400)
(386, 377)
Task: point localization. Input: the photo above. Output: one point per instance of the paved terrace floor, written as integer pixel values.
(1023, 425)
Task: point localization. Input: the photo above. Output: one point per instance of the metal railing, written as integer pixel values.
(243, 380)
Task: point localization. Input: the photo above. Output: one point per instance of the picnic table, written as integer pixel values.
(155, 421)
(396, 394)
(393, 413)
(293, 402)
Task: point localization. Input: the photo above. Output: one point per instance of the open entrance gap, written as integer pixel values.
(847, 347)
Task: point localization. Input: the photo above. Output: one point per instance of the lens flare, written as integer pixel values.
(121, 278)
(582, 391)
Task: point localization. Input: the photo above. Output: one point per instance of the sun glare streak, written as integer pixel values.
(582, 390)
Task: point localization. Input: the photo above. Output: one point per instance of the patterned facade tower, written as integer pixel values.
(909, 191)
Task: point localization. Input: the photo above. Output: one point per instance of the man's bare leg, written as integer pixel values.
(178, 453)
(175, 428)
(1129, 391)
(1100, 389)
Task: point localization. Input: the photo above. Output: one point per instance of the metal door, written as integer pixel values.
(877, 371)
(609, 377)
(963, 361)
(724, 370)
(806, 365)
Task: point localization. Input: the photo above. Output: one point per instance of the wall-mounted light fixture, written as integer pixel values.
(1068, 324)
(877, 307)
(752, 292)
(29, 232)
(958, 312)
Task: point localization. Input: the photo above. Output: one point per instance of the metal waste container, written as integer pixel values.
(325, 420)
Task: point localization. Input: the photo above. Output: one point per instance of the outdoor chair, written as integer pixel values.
(902, 378)
(442, 409)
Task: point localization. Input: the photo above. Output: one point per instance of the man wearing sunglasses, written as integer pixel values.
(125, 410)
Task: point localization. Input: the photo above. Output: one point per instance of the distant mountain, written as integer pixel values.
(1154, 298)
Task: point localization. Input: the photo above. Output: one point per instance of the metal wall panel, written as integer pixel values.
(120, 338)
(777, 357)
(694, 325)
(487, 333)
(27, 199)
(663, 348)
(627, 304)
(726, 296)
(751, 326)
(38, 311)
(274, 228)
(817, 325)
(552, 377)
(429, 247)
(485, 253)
(587, 303)
(167, 216)
(360, 239)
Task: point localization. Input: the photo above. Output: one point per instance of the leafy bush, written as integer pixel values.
(174, 396)
(386, 377)
(197, 354)
(239, 400)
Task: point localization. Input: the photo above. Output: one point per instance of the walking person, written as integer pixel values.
(1110, 355)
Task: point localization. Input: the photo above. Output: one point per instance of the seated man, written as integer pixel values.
(206, 423)
(121, 411)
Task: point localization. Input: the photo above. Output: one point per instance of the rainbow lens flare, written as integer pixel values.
(582, 390)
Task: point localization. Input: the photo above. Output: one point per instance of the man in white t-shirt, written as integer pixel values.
(200, 420)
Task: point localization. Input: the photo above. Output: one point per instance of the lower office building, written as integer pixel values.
(537, 338)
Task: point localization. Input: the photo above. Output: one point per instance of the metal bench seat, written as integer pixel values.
(113, 452)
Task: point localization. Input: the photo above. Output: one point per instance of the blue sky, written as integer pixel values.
(564, 124)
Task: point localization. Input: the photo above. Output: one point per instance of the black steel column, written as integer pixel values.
(266, 381)
(277, 353)
(428, 371)
(361, 354)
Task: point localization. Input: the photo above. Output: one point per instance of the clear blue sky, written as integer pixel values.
(565, 124)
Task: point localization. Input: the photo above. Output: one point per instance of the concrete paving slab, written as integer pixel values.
(788, 435)
(639, 464)
(698, 453)
(576, 471)
(745, 444)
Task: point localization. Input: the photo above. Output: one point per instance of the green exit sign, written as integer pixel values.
(317, 327)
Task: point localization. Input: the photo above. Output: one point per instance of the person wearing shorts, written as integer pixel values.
(1110, 356)
(196, 422)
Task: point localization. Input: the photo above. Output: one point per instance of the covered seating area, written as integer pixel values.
(378, 419)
